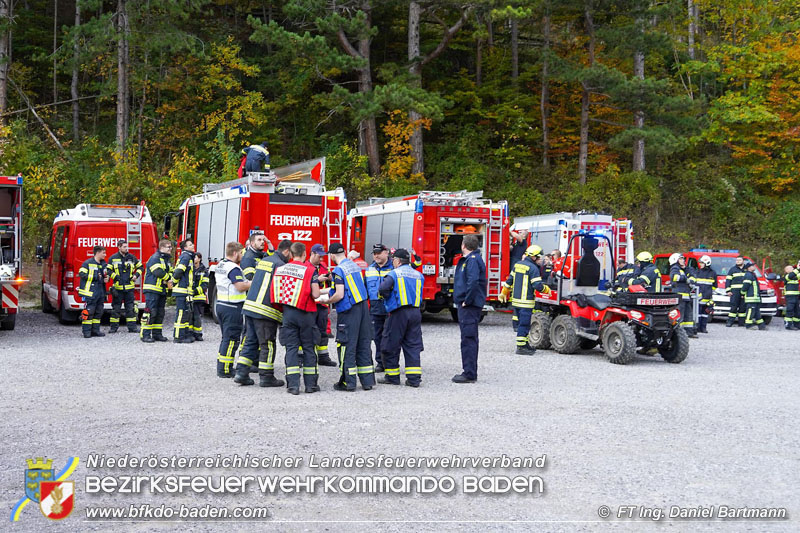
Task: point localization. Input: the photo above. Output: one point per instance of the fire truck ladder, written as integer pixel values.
(622, 238)
(494, 236)
(333, 219)
(453, 198)
(134, 238)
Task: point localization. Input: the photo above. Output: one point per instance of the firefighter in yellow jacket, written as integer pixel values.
(522, 283)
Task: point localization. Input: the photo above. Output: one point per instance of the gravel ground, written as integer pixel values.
(719, 429)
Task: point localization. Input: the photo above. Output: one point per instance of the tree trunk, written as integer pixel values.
(692, 27)
(5, 56)
(55, 49)
(544, 103)
(123, 112)
(638, 116)
(479, 62)
(415, 68)
(583, 149)
(76, 108)
(514, 50)
(490, 30)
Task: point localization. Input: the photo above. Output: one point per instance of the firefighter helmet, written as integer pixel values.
(534, 250)
(747, 264)
(706, 260)
(645, 257)
(674, 258)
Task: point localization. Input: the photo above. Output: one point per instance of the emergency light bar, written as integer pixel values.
(706, 250)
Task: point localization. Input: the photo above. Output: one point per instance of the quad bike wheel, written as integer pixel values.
(539, 334)
(564, 334)
(619, 343)
(676, 350)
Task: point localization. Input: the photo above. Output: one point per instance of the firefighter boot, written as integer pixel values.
(133, 328)
(114, 328)
(525, 350)
(730, 322)
(223, 370)
(267, 379)
(691, 333)
(702, 325)
(96, 330)
(243, 375)
(310, 381)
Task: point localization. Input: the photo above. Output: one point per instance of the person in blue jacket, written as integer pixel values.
(469, 296)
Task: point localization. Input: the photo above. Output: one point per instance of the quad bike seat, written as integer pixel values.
(597, 301)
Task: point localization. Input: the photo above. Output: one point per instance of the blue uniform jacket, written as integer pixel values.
(470, 281)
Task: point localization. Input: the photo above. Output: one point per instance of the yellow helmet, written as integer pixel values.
(533, 250)
(644, 256)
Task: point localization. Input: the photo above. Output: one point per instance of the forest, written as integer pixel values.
(683, 115)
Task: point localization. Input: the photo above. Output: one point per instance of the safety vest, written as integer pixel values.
(291, 285)
(259, 298)
(200, 282)
(750, 288)
(157, 273)
(792, 286)
(407, 288)
(680, 280)
(706, 280)
(226, 290)
(524, 280)
(91, 275)
(122, 268)
(373, 277)
(734, 279)
(355, 291)
(183, 274)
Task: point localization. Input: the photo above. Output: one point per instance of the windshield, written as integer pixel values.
(722, 265)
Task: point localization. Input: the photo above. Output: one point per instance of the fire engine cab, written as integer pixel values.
(75, 233)
(433, 224)
(286, 203)
(10, 249)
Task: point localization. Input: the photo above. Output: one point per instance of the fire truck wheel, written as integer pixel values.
(9, 323)
(46, 306)
(539, 335)
(564, 334)
(67, 317)
(767, 320)
(678, 347)
(619, 343)
(588, 344)
(212, 303)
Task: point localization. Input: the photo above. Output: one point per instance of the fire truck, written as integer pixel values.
(10, 249)
(75, 233)
(286, 203)
(554, 231)
(433, 224)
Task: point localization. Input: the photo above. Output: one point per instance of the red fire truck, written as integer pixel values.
(433, 223)
(75, 232)
(10, 249)
(286, 203)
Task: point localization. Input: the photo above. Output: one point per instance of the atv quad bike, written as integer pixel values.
(584, 311)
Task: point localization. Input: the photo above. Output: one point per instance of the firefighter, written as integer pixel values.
(353, 326)
(262, 319)
(257, 158)
(231, 293)
(377, 309)
(124, 269)
(321, 316)
(183, 290)
(469, 295)
(256, 245)
(733, 284)
(792, 287)
(518, 245)
(706, 279)
(401, 289)
(521, 284)
(648, 275)
(752, 298)
(625, 272)
(157, 281)
(199, 298)
(681, 283)
(93, 278)
(296, 287)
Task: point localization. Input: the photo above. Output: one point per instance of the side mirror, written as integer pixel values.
(772, 276)
(40, 254)
(167, 224)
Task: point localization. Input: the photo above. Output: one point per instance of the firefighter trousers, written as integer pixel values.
(378, 322)
(792, 313)
(753, 315)
(524, 315)
(183, 316)
(354, 338)
(705, 311)
(297, 332)
(259, 344)
(403, 329)
(153, 317)
(230, 322)
(687, 320)
(738, 308)
(468, 318)
(92, 313)
(197, 319)
(120, 297)
(321, 320)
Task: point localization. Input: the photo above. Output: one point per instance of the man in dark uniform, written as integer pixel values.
(200, 297)
(256, 245)
(792, 291)
(353, 325)
(377, 310)
(706, 279)
(93, 279)
(625, 272)
(262, 319)
(183, 290)
(752, 298)
(469, 295)
(649, 276)
(519, 244)
(733, 287)
(231, 294)
(402, 291)
(521, 285)
(124, 269)
(257, 158)
(321, 318)
(681, 280)
(157, 281)
(295, 286)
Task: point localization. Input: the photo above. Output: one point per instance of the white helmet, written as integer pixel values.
(706, 260)
(674, 258)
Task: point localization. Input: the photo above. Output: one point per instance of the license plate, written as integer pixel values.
(656, 301)
(429, 269)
